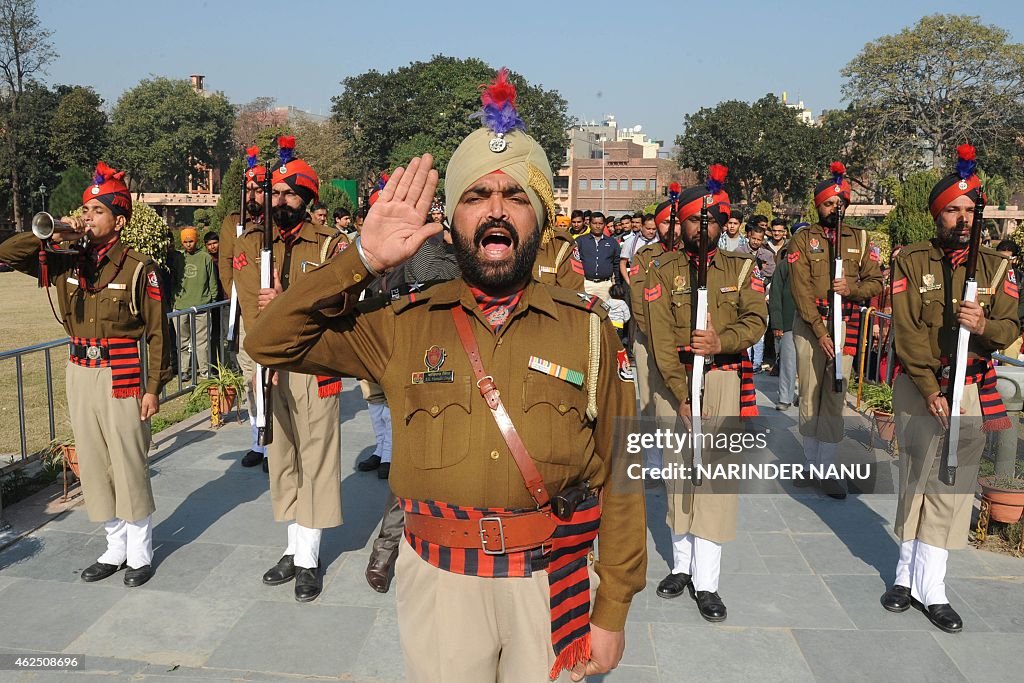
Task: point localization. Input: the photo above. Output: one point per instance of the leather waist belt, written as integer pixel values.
(494, 535)
(607, 279)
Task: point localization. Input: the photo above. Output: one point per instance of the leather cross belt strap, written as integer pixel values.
(494, 534)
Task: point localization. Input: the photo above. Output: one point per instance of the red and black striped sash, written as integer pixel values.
(851, 314)
(734, 362)
(566, 562)
(120, 355)
(980, 371)
(328, 386)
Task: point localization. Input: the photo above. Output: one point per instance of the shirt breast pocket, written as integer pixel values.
(682, 310)
(819, 266)
(113, 306)
(437, 416)
(931, 313)
(554, 415)
(727, 308)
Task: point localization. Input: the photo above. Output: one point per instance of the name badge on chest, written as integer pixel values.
(434, 358)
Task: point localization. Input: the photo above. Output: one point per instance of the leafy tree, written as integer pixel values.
(768, 150)
(764, 208)
(28, 132)
(431, 103)
(334, 198)
(162, 130)
(78, 131)
(321, 144)
(25, 50)
(230, 195)
(252, 117)
(946, 80)
(67, 196)
(910, 221)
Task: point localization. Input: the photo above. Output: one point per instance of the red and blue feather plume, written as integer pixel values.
(252, 156)
(966, 163)
(384, 177)
(673, 192)
(286, 148)
(716, 178)
(838, 169)
(499, 112)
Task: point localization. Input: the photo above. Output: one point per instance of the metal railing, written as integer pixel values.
(183, 382)
(886, 349)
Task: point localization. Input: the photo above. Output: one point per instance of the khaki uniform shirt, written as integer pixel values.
(810, 266)
(558, 262)
(446, 443)
(314, 245)
(638, 269)
(129, 306)
(737, 311)
(925, 309)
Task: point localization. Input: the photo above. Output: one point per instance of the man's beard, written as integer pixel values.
(287, 218)
(253, 208)
(488, 275)
(956, 237)
(830, 221)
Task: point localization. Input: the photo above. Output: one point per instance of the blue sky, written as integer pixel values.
(656, 62)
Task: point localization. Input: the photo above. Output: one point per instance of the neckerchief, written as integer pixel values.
(496, 310)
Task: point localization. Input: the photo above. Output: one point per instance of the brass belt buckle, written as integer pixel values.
(483, 535)
(93, 353)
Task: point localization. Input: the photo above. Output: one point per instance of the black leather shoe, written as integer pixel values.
(308, 583)
(834, 488)
(384, 471)
(673, 585)
(378, 574)
(896, 599)
(943, 616)
(133, 578)
(266, 465)
(709, 604)
(251, 459)
(100, 570)
(370, 464)
(282, 572)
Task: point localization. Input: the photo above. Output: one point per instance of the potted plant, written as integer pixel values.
(223, 388)
(878, 398)
(1005, 496)
(62, 453)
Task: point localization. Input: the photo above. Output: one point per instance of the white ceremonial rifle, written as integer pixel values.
(836, 308)
(947, 470)
(264, 385)
(701, 323)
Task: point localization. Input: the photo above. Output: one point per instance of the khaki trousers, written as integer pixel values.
(927, 509)
(112, 445)
(468, 629)
(821, 408)
(691, 510)
(305, 455)
(600, 289)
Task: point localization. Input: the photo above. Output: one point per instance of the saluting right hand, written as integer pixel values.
(394, 229)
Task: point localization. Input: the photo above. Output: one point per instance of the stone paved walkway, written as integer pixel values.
(801, 581)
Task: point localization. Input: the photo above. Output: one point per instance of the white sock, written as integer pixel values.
(293, 530)
(682, 553)
(117, 542)
(707, 564)
(930, 575)
(140, 542)
(905, 567)
(811, 450)
(307, 546)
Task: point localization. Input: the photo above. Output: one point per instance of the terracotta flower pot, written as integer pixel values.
(1005, 505)
(71, 458)
(885, 423)
(219, 405)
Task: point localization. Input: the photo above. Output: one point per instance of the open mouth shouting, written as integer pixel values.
(496, 242)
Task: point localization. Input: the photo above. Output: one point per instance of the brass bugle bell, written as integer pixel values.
(44, 225)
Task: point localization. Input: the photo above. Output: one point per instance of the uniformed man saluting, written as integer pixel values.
(928, 283)
(810, 257)
(702, 521)
(109, 298)
(484, 561)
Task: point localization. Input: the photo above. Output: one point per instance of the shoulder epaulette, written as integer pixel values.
(416, 298)
(924, 245)
(580, 300)
(373, 303)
